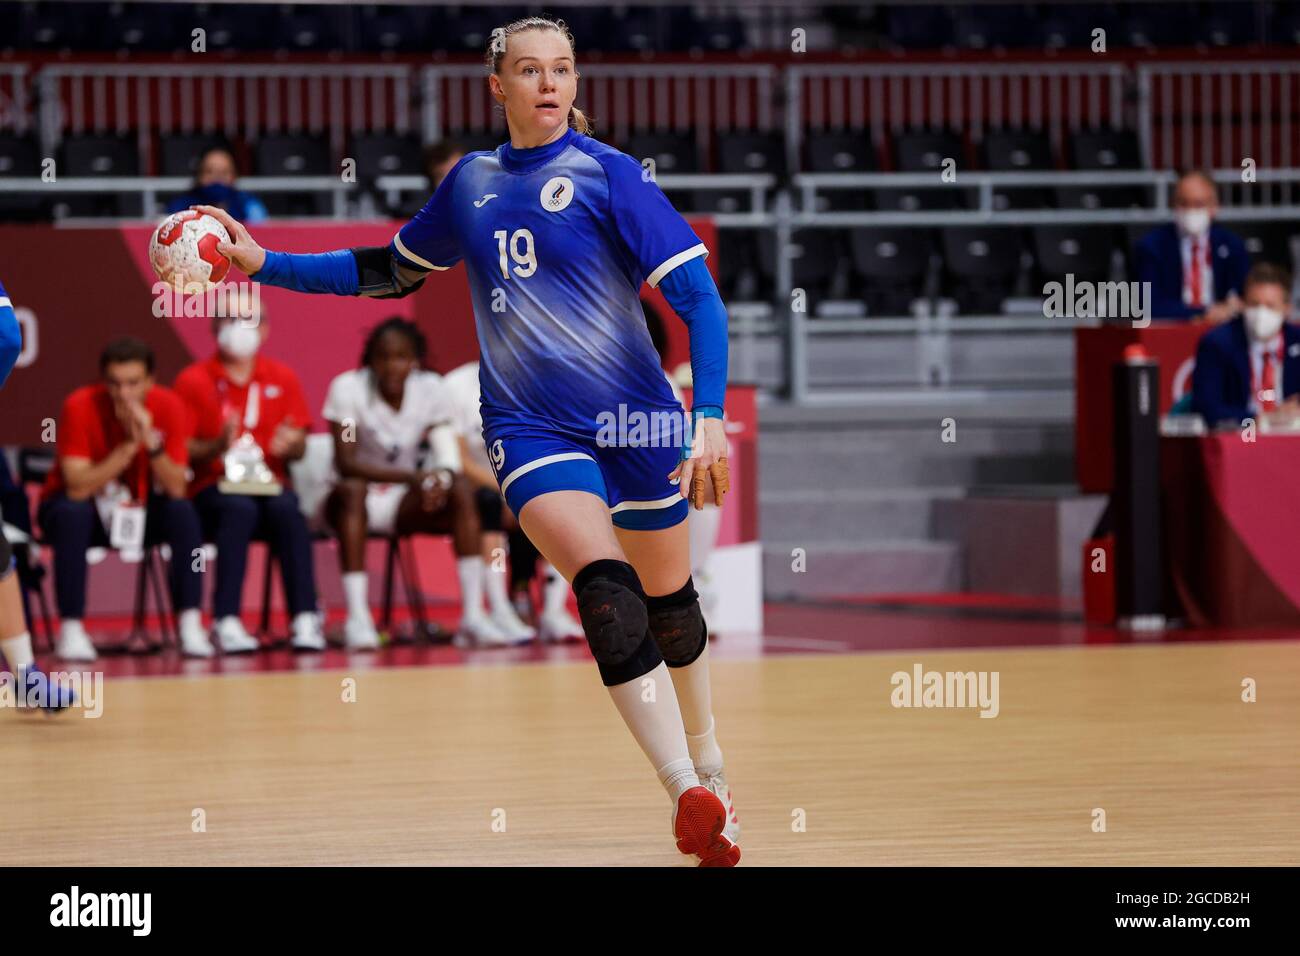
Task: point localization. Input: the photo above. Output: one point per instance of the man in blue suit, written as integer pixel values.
(1196, 268)
(1250, 366)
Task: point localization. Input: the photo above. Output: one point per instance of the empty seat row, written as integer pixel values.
(978, 266)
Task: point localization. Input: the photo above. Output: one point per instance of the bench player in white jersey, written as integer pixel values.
(557, 232)
(554, 623)
(396, 455)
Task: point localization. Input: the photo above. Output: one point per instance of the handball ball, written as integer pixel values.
(183, 250)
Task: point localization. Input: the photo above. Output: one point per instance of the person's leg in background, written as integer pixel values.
(229, 522)
(175, 521)
(286, 528)
(703, 527)
(493, 551)
(456, 513)
(345, 510)
(70, 527)
(34, 688)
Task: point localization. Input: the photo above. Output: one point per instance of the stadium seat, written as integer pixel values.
(751, 153)
(840, 151)
(892, 264)
(1267, 241)
(1010, 151)
(924, 152)
(925, 26)
(981, 264)
(20, 157)
(386, 154)
(100, 155)
(1102, 149)
(920, 199)
(1085, 252)
(814, 264)
(293, 154)
(672, 152)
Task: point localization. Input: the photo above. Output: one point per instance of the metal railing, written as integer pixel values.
(1218, 114)
(622, 99)
(808, 186)
(15, 98)
(151, 188)
(1055, 98)
(246, 100)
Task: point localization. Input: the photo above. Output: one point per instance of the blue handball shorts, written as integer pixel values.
(633, 481)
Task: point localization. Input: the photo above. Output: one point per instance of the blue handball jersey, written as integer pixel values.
(556, 242)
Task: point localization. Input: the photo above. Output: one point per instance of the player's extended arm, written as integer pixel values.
(691, 292)
(367, 270)
(11, 338)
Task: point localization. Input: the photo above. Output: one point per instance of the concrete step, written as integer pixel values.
(860, 568)
(821, 514)
(909, 457)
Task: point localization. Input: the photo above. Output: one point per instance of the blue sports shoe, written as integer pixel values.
(35, 691)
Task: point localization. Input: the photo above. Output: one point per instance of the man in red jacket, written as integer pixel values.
(244, 404)
(119, 479)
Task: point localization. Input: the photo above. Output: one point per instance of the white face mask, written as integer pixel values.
(1262, 323)
(1193, 222)
(238, 340)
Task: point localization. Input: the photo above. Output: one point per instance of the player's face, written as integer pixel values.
(393, 359)
(537, 84)
(127, 382)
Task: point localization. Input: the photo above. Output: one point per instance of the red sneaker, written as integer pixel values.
(698, 821)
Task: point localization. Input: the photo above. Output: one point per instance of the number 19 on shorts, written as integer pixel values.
(518, 247)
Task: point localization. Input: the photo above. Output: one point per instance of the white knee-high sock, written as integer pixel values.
(702, 530)
(498, 595)
(470, 571)
(650, 712)
(695, 700)
(18, 651)
(555, 590)
(356, 589)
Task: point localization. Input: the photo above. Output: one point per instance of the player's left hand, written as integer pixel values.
(706, 466)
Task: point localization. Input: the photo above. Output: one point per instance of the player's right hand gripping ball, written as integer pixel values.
(183, 250)
(720, 475)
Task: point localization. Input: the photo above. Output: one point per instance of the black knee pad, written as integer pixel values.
(6, 557)
(677, 625)
(612, 607)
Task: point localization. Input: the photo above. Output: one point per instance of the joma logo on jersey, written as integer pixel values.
(557, 193)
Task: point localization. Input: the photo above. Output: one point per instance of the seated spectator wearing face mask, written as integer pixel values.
(214, 185)
(1196, 268)
(1249, 367)
(239, 396)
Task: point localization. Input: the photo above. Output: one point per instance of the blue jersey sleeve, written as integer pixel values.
(11, 337)
(655, 233)
(429, 241)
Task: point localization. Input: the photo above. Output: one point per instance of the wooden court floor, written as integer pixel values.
(529, 764)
